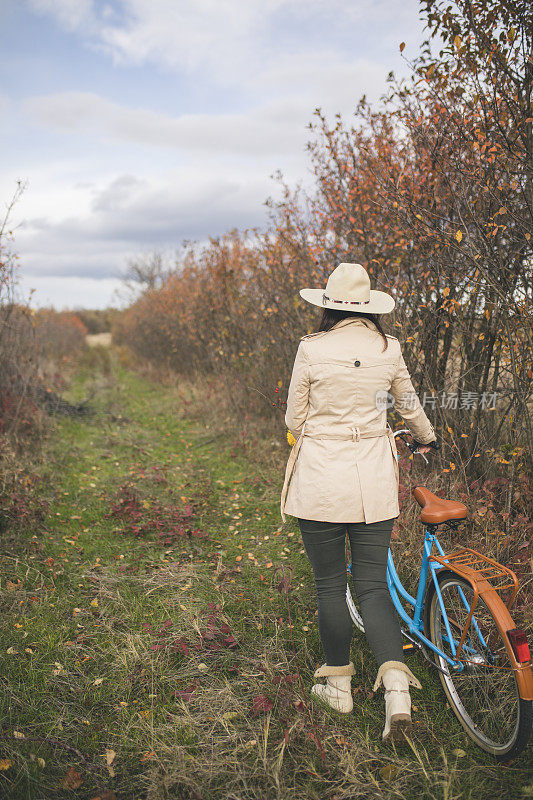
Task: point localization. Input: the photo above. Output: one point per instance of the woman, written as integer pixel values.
(342, 476)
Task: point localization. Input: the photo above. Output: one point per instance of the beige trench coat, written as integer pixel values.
(343, 467)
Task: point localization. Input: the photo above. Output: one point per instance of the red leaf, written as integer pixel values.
(261, 703)
(72, 780)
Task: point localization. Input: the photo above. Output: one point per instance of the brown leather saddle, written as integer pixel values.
(436, 510)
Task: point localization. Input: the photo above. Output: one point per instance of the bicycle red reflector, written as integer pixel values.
(518, 640)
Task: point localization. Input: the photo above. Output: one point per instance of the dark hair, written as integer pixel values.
(332, 315)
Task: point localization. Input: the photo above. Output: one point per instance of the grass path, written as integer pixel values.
(159, 636)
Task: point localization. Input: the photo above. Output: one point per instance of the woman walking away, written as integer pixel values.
(342, 477)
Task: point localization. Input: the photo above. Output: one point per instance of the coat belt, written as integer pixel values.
(355, 434)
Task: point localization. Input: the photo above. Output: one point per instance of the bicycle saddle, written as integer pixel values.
(436, 510)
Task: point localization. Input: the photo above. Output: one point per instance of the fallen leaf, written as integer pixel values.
(98, 681)
(5, 763)
(389, 771)
(107, 794)
(72, 780)
(110, 756)
(459, 753)
(230, 715)
(261, 703)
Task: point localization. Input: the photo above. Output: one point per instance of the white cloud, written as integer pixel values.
(274, 126)
(230, 40)
(71, 292)
(70, 14)
(127, 214)
(271, 128)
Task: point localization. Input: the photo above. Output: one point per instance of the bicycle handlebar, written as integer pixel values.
(415, 444)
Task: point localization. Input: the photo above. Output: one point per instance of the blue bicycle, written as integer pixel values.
(462, 626)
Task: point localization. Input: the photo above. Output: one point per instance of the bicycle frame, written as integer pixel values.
(415, 623)
(478, 570)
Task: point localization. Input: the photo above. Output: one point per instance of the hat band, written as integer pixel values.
(325, 298)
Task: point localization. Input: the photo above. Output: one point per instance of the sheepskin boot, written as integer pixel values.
(395, 677)
(337, 691)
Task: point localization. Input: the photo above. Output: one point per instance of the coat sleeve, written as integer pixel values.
(408, 405)
(298, 393)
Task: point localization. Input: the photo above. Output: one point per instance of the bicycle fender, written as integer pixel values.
(504, 621)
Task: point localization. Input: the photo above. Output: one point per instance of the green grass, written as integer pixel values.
(101, 628)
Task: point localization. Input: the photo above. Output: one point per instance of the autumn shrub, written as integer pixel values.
(34, 350)
(98, 320)
(59, 335)
(21, 420)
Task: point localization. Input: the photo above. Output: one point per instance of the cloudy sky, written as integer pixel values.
(138, 124)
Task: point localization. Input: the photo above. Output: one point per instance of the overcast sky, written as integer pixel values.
(137, 124)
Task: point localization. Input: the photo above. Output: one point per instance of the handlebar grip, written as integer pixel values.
(435, 444)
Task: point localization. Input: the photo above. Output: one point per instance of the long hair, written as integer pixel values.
(332, 315)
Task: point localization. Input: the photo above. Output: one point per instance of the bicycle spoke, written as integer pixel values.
(485, 690)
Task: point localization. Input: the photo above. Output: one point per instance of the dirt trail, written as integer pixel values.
(102, 339)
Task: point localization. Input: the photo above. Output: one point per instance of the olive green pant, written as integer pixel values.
(325, 544)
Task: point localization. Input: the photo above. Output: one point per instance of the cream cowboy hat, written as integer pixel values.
(348, 287)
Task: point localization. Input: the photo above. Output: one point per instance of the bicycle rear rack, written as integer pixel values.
(480, 571)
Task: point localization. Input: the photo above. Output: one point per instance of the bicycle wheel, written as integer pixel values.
(354, 611)
(484, 694)
(352, 607)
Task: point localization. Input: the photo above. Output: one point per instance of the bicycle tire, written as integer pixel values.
(521, 726)
(354, 611)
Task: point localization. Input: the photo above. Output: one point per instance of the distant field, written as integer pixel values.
(94, 339)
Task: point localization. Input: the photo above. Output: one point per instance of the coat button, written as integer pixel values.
(357, 363)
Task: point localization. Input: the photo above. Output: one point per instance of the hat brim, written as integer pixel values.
(379, 302)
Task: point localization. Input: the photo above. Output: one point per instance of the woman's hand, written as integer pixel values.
(425, 448)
